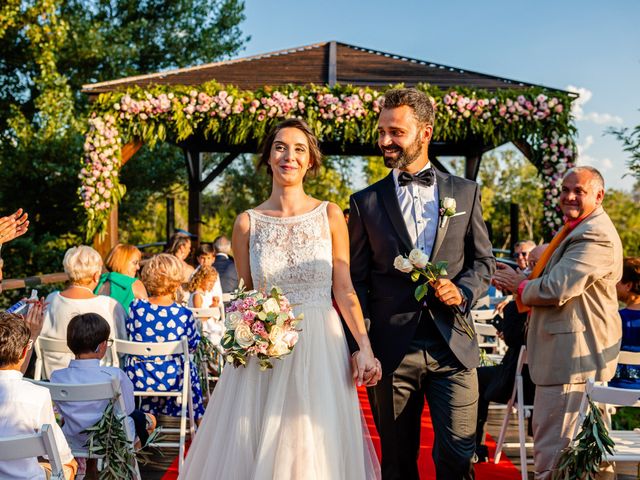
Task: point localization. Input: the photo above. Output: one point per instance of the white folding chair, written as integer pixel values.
(32, 446)
(202, 314)
(523, 412)
(487, 333)
(179, 347)
(91, 392)
(626, 443)
(44, 346)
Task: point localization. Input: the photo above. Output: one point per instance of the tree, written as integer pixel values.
(508, 177)
(622, 207)
(50, 48)
(631, 141)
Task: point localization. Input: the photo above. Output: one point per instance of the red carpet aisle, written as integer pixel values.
(505, 470)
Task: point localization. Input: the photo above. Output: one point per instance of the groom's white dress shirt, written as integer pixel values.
(419, 207)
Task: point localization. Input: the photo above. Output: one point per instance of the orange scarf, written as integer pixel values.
(546, 255)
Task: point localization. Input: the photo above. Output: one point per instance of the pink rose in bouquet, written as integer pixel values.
(260, 325)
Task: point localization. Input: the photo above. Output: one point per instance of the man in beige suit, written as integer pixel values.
(574, 326)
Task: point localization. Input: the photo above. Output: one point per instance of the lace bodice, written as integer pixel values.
(293, 253)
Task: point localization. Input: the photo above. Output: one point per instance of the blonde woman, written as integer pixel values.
(160, 319)
(120, 282)
(84, 266)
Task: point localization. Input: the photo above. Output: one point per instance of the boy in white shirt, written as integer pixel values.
(88, 338)
(25, 407)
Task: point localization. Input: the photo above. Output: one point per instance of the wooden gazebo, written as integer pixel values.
(329, 63)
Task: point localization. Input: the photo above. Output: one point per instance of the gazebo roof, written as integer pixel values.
(320, 63)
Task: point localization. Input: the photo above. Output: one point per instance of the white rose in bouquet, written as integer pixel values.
(277, 349)
(402, 264)
(418, 258)
(275, 335)
(290, 338)
(232, 320)
(243, 335)
(271, 306)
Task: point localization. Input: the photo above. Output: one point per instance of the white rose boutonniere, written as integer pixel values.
(447, 210)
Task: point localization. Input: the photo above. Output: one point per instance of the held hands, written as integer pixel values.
(366, 368)
(447, 292)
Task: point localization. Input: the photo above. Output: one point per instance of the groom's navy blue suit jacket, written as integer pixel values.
(378, 234)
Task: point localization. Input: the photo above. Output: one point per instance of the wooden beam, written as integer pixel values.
(472, 166)
(110, 239)
(226, 161)
(105, 244)
(332, 71)
(30, 282)
(129, 150)
(525, 148)
(194, 168)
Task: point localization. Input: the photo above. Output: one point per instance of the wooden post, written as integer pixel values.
(171, 217)
(514, 220)
(194, 168)
(104, 245)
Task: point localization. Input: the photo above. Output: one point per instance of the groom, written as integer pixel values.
(424, 351)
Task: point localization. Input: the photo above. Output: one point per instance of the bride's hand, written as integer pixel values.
(366, 368)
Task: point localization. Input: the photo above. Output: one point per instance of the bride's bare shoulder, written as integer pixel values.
(242, 223)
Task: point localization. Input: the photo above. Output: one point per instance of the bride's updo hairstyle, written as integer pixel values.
(315, 157)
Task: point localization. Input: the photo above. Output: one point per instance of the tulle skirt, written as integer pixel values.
(300, 420)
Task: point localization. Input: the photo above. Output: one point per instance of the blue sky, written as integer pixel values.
(588, 45)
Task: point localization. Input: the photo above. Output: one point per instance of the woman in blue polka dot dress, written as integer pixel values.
(160, 319)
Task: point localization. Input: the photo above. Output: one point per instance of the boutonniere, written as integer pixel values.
(448, 209)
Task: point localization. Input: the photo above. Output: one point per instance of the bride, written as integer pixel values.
(300, 420)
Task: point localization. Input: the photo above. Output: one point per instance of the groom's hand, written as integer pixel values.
(447, 292)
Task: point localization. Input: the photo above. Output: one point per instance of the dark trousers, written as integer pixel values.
(428, 371)
(140, 422)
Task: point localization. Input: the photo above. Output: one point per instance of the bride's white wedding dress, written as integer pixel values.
(300, 420)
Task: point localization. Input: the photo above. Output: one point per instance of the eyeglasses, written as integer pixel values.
(520, 254)
(109, 343)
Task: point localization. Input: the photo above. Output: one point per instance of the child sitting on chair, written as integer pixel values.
(203, 294)
(160, 319)
(88, 339)
(25, 407)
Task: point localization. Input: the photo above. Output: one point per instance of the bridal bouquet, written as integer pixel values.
(261, 325)
(418, 265)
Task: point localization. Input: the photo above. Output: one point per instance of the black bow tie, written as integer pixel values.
(426, 178)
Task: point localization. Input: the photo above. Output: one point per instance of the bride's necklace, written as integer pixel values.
(83, 287)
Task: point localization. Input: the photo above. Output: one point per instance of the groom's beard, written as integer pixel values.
(406, 157)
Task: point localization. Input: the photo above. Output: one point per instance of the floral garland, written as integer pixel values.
(340, 114)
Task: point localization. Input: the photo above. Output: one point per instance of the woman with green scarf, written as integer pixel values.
(120, 282)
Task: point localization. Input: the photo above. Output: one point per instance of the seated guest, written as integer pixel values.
(25, 407)
(84, 266)
(180, 247)
(225, 265)
(205, 293)
(88, 338)
(161, 319)
(120, 282)
(628, 289)
(521, 254)
(205, 255)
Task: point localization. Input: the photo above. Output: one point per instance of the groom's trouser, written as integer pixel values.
(429, 370)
